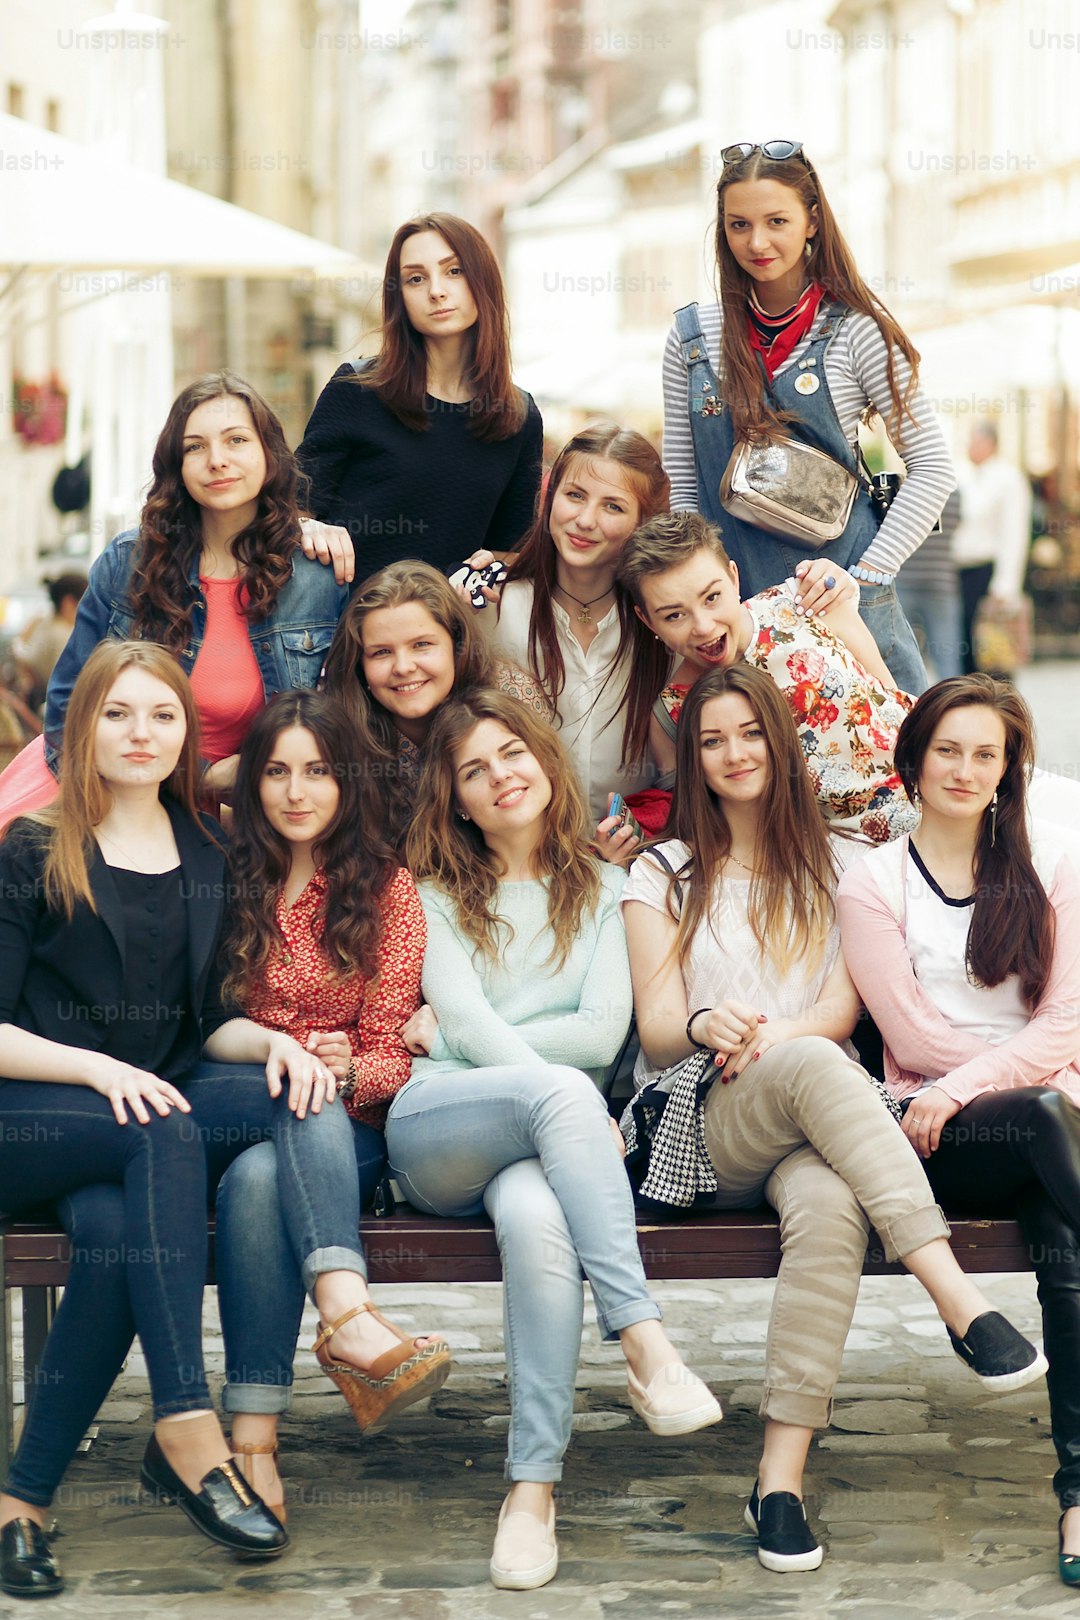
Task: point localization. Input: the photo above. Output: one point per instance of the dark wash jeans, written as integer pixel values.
(133, 1199)
(1018, 1153)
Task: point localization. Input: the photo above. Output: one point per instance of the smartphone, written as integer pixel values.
(624, 816)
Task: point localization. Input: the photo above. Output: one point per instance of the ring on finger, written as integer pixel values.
(830, 582)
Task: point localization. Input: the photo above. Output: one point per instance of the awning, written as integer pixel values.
(69, 207)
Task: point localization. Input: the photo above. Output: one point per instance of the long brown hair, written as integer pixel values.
(791, 898)
(170, 527)
(474, 666)
(399, 374)
(451, 853)
(85, 799)
(356, 862)
(648, 483)
(831, 263)
(1012, 920)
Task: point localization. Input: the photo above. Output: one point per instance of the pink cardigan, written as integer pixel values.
(918, 1040)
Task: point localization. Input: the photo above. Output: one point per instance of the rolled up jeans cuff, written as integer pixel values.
(268, 1400)
(907, 1233)
(612, 1324)
(320, 1260)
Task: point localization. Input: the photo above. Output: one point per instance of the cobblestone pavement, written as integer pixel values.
(932, 1499)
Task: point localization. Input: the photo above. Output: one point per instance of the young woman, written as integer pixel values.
(429, 451)
(405, 644)
(799, 344)
(105, 975)
(964, 942)
(563, 613)
(527, 979)
(215, 573)
(734, 948)
(687, 591)
(325, 942)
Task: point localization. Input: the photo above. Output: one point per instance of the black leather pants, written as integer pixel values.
(1018, 1153)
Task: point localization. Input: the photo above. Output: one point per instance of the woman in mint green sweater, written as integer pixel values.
(528, 990)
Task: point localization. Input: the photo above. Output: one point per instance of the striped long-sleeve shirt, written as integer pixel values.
(855, 369)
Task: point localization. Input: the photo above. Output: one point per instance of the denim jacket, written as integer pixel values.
(290, 647)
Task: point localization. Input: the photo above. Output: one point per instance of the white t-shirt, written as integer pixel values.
(725, 961)
(937, 933)
(591, 723)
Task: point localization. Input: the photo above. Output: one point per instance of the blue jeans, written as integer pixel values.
(935, 609)
(133, 1200)
(261, 1271)
(533, 1147)
(880, 611)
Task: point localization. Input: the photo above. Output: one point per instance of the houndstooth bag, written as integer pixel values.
(666, 1157)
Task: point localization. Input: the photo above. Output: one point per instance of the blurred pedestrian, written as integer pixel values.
(44, 639)
(429, 451)
(990, 546)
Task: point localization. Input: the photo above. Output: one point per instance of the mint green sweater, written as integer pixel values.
(521, 1009)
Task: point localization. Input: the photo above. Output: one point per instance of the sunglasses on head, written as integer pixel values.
(776, 150)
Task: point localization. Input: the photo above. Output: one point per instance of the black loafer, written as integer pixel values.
(27, 1567)
(225, 1507)
(998, 1353)
(785, 1540)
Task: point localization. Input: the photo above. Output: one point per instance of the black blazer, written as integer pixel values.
(67, 981)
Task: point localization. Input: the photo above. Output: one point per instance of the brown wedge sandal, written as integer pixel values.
(278, 1509)
(393, 1381)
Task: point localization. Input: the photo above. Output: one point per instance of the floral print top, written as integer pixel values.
(846, 719)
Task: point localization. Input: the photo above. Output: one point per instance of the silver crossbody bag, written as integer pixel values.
(787, 487)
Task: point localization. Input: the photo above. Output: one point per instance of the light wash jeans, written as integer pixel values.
(533, 1147)
(288, 1208)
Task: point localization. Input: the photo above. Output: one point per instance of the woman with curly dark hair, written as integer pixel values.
(325, 942)
(429, 450)
(217, 572)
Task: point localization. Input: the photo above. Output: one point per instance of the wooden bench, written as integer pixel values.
(411, 1248)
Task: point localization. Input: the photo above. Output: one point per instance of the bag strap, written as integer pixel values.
(661, 859)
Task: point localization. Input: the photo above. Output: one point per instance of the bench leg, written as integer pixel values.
(39, 1308)
(7, 1374)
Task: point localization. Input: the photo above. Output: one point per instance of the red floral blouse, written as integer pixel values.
(300, 992)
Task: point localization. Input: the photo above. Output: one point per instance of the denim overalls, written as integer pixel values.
(765, 559)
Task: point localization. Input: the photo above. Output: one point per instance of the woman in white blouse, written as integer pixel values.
(734, 947)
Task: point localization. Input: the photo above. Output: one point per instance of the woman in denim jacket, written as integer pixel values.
(217, 572)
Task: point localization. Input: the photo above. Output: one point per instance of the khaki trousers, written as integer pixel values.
(803, 1129)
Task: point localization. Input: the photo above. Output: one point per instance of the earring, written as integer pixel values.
(464, 816)
(917, 801)
(808, 247)
(993, 819)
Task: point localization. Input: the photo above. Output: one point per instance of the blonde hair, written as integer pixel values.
(85, 799)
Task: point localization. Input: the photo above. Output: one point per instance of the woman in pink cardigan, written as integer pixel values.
(964, 941)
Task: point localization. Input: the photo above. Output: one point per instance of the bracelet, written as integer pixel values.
(702, 1046)
(870, 576)
(348, 1085)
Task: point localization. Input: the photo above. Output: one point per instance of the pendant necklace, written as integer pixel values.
(585, 617)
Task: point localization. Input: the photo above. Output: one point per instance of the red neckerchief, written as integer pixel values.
(784, 344)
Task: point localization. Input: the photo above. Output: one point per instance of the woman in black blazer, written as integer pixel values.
(110, 908)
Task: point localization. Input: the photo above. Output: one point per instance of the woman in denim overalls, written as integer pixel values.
(803, 347)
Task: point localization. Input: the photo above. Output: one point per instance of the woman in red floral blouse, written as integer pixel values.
(325, 941)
